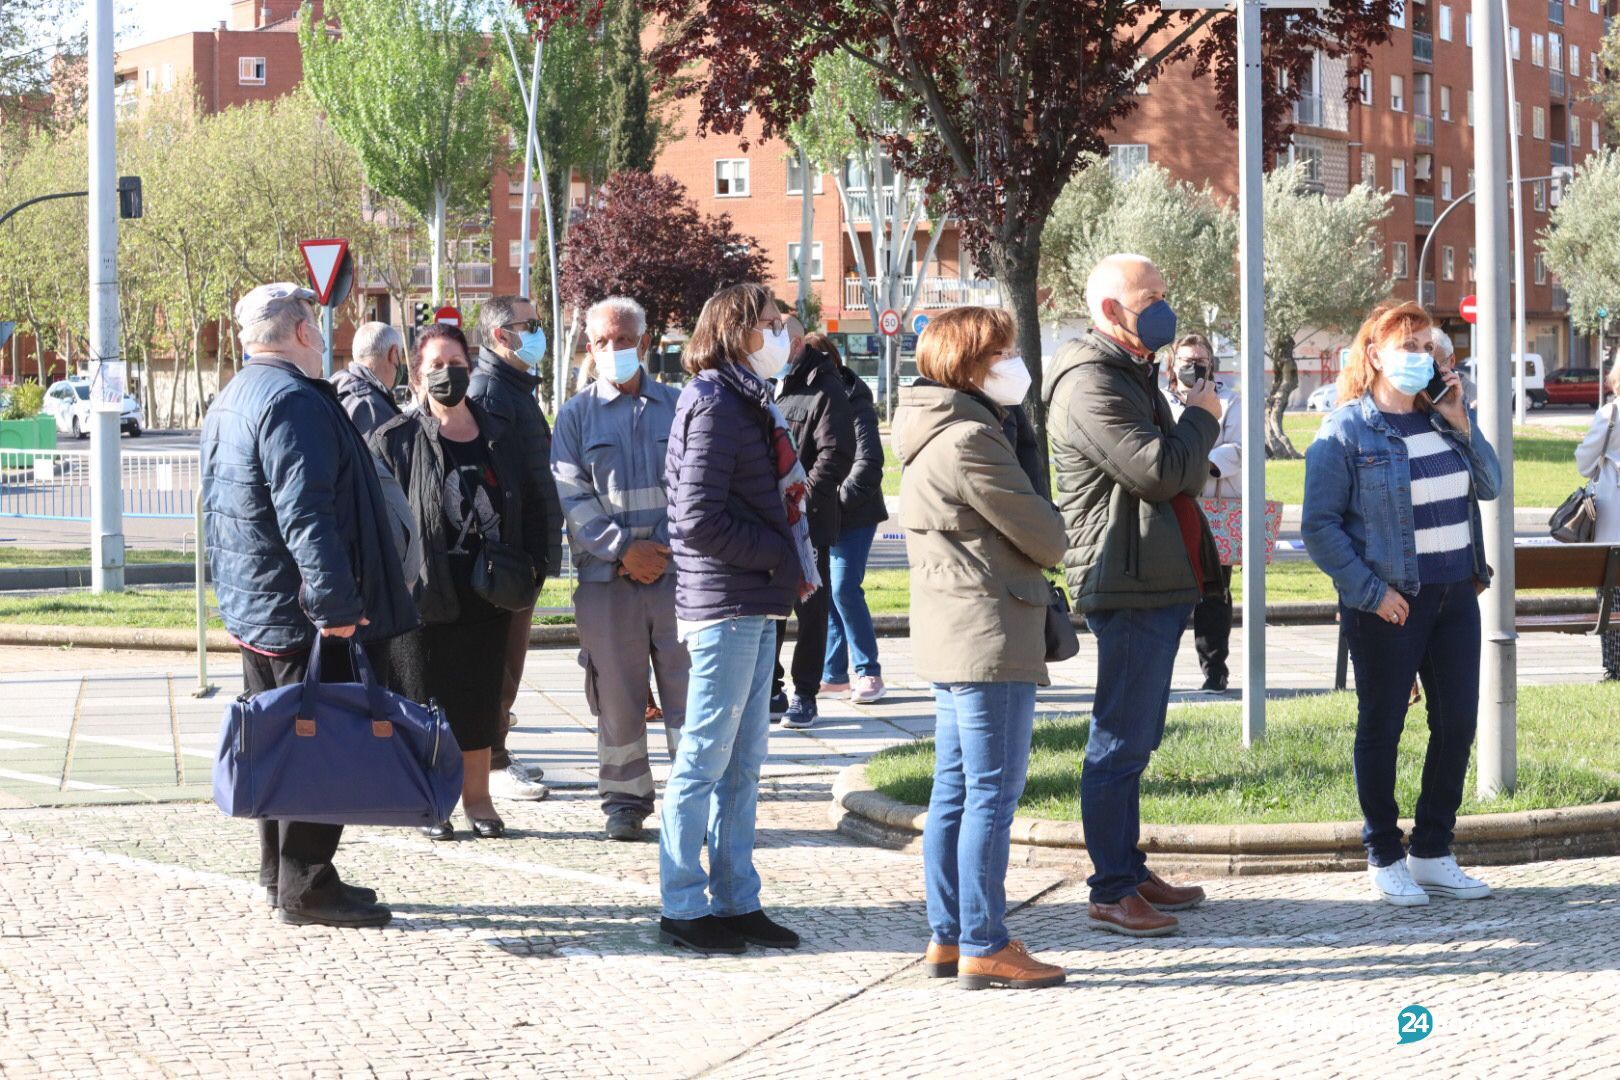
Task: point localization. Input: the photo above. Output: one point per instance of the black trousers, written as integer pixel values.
(295, 857)
(810, 649)
(1212, 629)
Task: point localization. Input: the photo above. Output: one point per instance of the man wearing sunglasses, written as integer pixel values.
(504, 383)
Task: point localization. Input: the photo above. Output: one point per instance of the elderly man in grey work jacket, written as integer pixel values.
(607, 455)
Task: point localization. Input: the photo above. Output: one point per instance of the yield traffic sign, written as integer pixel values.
(889, 322)
(322, 258)
(1469, 308)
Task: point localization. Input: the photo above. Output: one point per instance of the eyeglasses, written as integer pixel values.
(530, 325)
(775, 326)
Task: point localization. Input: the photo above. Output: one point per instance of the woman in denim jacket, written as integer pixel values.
(1392, 489)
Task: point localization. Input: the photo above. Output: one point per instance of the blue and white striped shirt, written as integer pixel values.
(1441, 490)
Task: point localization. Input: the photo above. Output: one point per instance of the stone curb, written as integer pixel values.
(861, 812)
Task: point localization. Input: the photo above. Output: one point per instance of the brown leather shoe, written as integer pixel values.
(1133, 917)
(939, 961)
(1167, 897)
(1012, 966)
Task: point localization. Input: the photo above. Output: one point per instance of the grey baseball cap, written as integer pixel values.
(267, 301)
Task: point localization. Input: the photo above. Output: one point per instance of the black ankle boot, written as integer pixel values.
(756, 928)
(704, 935)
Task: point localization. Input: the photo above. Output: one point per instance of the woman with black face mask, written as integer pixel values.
(481, 517)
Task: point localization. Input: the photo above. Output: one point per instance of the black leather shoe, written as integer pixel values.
(444, 830)
(341, 912)
(358, 893)
(487, 828)
(705, 935)
(1215, 684)
(756, 928)
(624, 824)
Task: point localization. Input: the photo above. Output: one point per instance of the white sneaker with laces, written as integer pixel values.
(1394, 885)
(869, 690)
(1443, 877)
(513, 782)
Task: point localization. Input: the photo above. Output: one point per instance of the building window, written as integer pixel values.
(1574, 61)
(1470, 180)
(1445, 182)
(168, 76)
(1445, 22)
(1538, 194)
(1555, 52)
(1469, 105)
(1541, 269)
(1592, 63)
(1445, 103)
(514, 252)
(1397, 176)
(1470, 264)
(795, 179)
(1538, 121)
(1597, 142)
(1513, 41)
(1448, 263)
(1397, 17)
(148, 78)
(1593, 4)
(1397, 94)
(1125, 158)
(1398, 258)
(1468, 29)
(1422, 95)
(815, 261)
(1369, 170)
(731, 178)
(1575, 133)
(1366, 81)
(250, 71)
(1538, 51)
(1518, 118)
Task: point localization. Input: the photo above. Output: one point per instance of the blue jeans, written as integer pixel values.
(714, 783)
(849, 623)
(1136, 656)
(981, 756)
(1440, 644)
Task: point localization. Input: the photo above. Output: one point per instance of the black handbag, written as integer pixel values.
(1575, 520)
(504, 576)
(1062, 642)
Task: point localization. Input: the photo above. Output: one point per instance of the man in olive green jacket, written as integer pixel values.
(1140, 555)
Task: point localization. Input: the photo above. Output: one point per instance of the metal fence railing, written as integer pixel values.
(54, 485)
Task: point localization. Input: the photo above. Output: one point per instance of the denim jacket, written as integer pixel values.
(1358, 520)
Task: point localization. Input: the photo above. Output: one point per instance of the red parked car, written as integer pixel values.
(1573, 386)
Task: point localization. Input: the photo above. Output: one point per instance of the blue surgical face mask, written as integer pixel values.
(1155, 325)
(620, 366)
(531, 346)
(1408, 372)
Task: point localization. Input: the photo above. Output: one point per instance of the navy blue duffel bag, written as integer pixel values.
(337, 754)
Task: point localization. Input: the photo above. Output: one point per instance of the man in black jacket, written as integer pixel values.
(504, 385)
(366, 386)
(815, 405)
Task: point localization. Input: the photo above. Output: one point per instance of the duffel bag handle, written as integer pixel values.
(362, 672)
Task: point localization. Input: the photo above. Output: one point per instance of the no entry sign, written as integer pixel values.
(1469, 309)
(447, 315)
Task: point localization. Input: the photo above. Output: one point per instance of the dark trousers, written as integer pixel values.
(517, 654)
(1439, 644)
(1212, 629)
(295, 857)
(810, 648)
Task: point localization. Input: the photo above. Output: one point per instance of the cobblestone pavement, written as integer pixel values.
(132, 941)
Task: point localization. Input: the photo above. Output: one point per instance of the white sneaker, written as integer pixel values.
(1443, 877)
(869, 690)
(513, 782)
(1394, 885)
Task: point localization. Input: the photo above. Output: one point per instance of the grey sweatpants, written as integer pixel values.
(623, 627)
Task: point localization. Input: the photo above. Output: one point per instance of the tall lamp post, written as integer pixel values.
(106, 363)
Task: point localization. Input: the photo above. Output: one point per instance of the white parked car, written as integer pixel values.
(1323, 398)
(68, 402)
(1535, 379)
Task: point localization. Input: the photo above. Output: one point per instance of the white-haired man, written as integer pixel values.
(366, 386)
(607, 456)
(1140, 555)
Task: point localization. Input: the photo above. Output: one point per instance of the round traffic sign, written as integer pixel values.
(447, 315)
(889, 322)
(919, 323)
(1469, 309)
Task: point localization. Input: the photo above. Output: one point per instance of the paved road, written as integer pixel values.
(132, 943)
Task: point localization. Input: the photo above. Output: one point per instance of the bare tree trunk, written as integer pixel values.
(1284, 381)
(1017, 263)
(196, 368)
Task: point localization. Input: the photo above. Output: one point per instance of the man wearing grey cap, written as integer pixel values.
(293, 511)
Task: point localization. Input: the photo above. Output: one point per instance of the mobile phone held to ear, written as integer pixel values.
(1438, 388)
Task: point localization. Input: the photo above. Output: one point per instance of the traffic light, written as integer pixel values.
(422, 312)
(129, 197)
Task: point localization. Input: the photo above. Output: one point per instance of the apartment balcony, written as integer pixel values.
(1423, 130)
(468, 276)
(937, 292)
(1423, 48)
(1559, 152)
(1423, 211)
(861, 205)
(1308, 110)
(1555, 12)
(1556, 84)
(1560, 298)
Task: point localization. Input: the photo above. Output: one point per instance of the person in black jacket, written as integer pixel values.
(475, 505)
(860, 510)
(812, 399)
(504, 384)
(366, 386)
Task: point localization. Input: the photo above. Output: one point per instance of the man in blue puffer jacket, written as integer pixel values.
(301, 553)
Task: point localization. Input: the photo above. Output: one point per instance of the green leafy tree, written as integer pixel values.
(1324, 269)
(406, 84)
(1582, 240)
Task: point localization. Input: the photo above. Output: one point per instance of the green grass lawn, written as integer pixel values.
(1569, 754)
(1543, 467)
(14, 557)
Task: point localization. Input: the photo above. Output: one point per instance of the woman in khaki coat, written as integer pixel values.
(978, 536)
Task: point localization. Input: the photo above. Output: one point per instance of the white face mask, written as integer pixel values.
(618, 366)
(1008, 381)
(769, 359)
